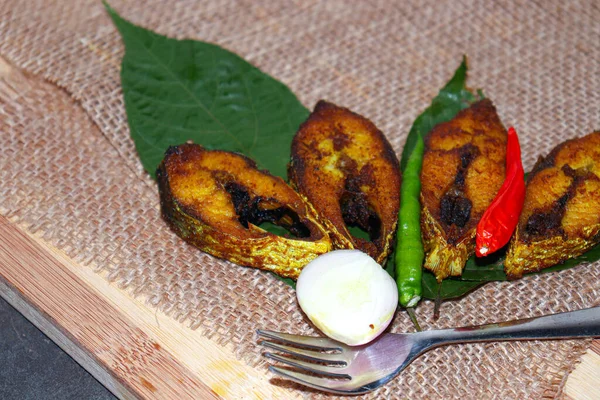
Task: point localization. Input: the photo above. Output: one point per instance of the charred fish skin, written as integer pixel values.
(463, 169)
(561, 213)
(216, 201)
(343, 165)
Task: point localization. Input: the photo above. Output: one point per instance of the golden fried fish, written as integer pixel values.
(463, 169)
(348, 170)
(216, 200)
(561, 213)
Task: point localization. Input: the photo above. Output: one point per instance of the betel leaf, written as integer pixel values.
(453, 97)
(288, 281)
(186, 90)
(451, 288)
(590, 256)
(477, 273)
(390, 266)
(485, 269)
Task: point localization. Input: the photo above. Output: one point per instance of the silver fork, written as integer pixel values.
(334, 367)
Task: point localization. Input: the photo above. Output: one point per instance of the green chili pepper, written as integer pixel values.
(409, 247)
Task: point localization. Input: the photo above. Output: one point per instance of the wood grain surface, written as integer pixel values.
(134, 350)
(584, 382)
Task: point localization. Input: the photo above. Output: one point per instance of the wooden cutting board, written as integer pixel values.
(135, 350)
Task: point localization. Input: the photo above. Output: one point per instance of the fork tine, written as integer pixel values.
(340, 386)
(311, 367)
(318, 343)
(306, 354)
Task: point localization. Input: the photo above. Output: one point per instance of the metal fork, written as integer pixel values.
(334, 367)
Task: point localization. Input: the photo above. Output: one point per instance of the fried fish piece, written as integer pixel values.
(216, 201)
(463, 169)
(348, 170)
(561, 213)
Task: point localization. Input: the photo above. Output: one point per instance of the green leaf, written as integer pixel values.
(489, 270)
(478, 272)
(288, 281)
(486, 269)
(390, 266)
(453, 97)
(181, 90)
(590, 256)
(451, 288)
(356, 232)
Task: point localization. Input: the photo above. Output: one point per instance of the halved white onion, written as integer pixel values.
(347, 295)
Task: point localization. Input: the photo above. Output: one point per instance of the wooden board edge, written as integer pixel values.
(212, 371)
(583, 382)
(580, 385)
(65, 342)
(32, 279)
(66, 303)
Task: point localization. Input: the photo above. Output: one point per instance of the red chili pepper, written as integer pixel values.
(499, 221)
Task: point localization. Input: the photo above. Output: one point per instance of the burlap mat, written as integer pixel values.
(69, 171)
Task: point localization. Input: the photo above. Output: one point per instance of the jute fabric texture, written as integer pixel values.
(69, 170)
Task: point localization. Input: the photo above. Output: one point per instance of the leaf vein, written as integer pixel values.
(190, 93)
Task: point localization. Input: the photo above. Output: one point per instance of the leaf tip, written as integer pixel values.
(463, 69)
(108, 8)
(114, 15)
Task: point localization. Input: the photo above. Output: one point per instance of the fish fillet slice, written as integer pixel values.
(217, 200)
(348, 170)
(561, 214)
(463, 169)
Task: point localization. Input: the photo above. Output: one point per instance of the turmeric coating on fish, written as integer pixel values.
(343, 165)
(463, 169)
(217, 200)
(561, 213)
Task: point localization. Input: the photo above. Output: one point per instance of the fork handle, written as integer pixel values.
(573, 324)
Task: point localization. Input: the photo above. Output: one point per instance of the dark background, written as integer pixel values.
(33, 367)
